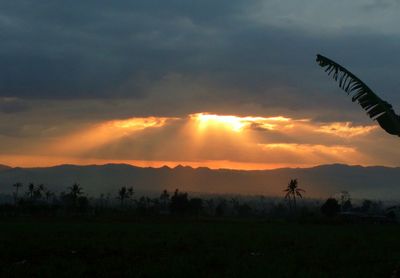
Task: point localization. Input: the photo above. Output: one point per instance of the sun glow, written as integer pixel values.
(236, 123)
(202, 139)
(208, 120)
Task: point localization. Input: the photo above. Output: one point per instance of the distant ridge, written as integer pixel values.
(4, 167)
(318, 181)
(180, 166)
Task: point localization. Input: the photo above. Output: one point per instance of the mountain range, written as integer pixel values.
(320, 181)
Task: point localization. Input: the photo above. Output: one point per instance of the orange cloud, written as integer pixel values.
(345, 129)
(105, 133)
(313, 154)
(306, 149)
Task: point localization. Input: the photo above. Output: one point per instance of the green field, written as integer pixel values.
(195, 248)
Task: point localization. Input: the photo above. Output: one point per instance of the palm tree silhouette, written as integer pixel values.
(75, 191)
(17, 186)
(377, 109)
(124, 193)
(31, 190)
(130, 192)
(37, 193)
(292, 191)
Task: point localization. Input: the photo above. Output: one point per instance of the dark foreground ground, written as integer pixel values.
(195, 248)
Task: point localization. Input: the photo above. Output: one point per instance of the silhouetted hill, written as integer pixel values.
(4, 167)
(320, 181)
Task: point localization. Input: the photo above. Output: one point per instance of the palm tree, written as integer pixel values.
(124, 193)
(17, 186)
(31, 190)
(292, 191)
(37, 193)
(377, 109)
(75, 191)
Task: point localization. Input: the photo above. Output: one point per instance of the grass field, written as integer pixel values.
(195, 248)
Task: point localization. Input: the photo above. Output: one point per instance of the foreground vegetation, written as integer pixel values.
(39, 200)
(199, 247)
(176, 235)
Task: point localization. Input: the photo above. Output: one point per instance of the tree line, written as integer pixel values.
(37, 197)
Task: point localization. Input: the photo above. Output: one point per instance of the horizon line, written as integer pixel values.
(187, 165)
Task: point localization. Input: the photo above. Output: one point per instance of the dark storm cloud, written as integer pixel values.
(381, 4)
(123, 49)
(53, 49)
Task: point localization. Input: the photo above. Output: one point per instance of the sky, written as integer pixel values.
(220, 84)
